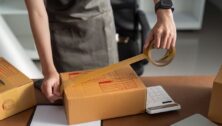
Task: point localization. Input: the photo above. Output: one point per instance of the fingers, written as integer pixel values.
(48, 90)
(170, 41)
(174, 41)
(56, 90)
(51, 90)
(164, 40)
(148, 40)
(163, 32)
(157, 38)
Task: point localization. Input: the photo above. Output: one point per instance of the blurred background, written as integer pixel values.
(199, 39)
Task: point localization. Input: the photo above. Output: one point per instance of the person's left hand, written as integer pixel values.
(163, 34)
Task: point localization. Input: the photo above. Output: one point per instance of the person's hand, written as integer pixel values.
(51, 87)
(163, 34)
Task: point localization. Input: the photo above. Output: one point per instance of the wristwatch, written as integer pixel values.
(164, 4)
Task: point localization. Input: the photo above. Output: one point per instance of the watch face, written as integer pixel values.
(166, 3)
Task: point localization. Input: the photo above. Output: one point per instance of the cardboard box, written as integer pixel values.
(16, 90)
(116, 94)
(215, 110)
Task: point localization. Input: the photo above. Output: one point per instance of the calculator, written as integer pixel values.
(159, 101)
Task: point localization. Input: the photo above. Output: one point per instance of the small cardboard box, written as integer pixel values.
(16, 90)
(116, 94)
(215, 110)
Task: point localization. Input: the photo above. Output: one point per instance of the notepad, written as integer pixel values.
(48, 115)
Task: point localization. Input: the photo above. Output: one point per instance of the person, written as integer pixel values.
(80, 34)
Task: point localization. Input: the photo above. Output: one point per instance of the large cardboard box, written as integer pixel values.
(116, 94)
(16, 91)
(215, 110)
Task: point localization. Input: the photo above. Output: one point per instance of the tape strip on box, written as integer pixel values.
(165, 60)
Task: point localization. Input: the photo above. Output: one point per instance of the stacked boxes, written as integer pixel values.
(16, 90)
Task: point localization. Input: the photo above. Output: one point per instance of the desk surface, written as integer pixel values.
(192, 93)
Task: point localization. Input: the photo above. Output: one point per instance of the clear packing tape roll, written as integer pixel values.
(165, 60)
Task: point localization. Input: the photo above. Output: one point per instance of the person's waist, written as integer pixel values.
(67, 20)
(80, 11)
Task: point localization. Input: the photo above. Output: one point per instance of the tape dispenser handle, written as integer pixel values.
(165, 60)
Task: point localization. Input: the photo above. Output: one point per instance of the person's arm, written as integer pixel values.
(164, 32)
(40, 28)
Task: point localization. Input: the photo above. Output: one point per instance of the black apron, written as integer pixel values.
(82, 34)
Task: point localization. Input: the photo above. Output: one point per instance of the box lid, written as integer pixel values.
(118, 81)
(218, 78)
(10, 77)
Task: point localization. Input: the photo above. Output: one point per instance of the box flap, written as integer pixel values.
(10, 77)
(118, 81)
(218, 78)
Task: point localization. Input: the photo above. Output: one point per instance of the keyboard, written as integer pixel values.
(159, 101)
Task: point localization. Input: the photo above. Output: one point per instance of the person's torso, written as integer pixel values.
(69, 10)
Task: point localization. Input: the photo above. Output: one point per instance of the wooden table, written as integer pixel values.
(191, 92)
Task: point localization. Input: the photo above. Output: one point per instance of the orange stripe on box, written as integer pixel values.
(104, 82)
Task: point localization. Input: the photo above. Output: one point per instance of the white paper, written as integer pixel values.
(46, 115)
(195, 120)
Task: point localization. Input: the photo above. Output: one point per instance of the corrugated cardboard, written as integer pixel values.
(215, 110)
(16, 90)
(116, 94)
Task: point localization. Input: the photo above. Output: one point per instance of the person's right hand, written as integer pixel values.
(51, 87)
